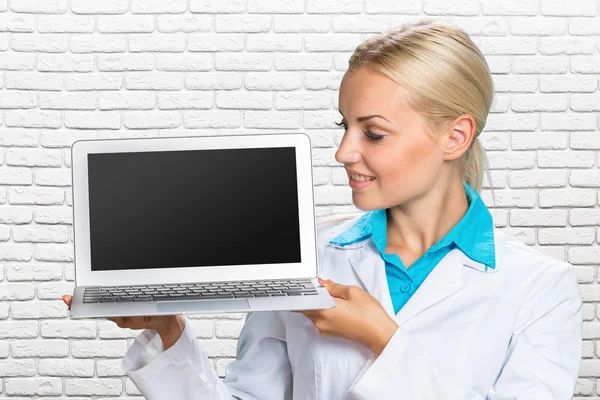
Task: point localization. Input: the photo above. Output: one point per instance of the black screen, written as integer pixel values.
(193, 208)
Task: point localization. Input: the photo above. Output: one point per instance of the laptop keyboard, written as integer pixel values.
(189, 291)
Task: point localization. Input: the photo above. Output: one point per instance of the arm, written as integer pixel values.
(184, 371)
(542, 360)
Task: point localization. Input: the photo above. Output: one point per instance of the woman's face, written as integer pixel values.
(384, 140)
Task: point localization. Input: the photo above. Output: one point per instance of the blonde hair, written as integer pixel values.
(445, 74)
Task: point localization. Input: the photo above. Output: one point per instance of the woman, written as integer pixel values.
(432, 302)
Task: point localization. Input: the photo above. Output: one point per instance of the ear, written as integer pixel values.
(460, 135)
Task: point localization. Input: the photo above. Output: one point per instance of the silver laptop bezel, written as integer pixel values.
(84, 276)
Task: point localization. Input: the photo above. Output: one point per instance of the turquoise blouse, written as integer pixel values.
(473, 234)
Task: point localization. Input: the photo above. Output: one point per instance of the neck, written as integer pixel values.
(418, 224)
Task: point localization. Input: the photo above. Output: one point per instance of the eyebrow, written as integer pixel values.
(366, 117)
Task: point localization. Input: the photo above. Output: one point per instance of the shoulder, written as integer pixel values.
(331, 225)
(531, 267)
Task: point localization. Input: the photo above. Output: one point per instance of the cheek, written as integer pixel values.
(407, 164)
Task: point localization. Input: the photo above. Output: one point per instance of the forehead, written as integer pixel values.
(365, 90)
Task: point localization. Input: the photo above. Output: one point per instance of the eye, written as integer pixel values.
(342, 124)
(372, 136)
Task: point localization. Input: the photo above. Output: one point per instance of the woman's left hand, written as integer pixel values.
(357, 316)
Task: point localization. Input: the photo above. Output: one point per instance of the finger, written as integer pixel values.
(68, 300)
(335, 289)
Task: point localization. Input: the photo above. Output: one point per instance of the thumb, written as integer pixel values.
(334, 289)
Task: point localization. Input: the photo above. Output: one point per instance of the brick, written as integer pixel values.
(300, 62)
(40, 6)
(65, 63)
(566, 235)
(273, 42)
(511, 83)
(570, 8)
(407, 7)
(99, 7)
(566, 83)
(331, 42)
(16, 99)
(39, 43)
(94, 82)
(95, 348)
(212, 119)
(585, 141)
(33, 386)
(584, 255)
(543, 140)
(106, 43)
(333, 6)
(60, 138)
(362, 23)
(220, 7)
(68, 329)
(151, 119)
(509, 7)
(211, 42)
(18, 62)
(276, 6)
(184, 62)
(567, 45)
(156, 42)
(585, 64)
(300, 23)
(39, 310)
(106, 368)
(153, 81)
(66, 24)
(509, 45)
(131, 24)
(250, 100)
(584, 178)
(92, 120)
(185, 23)
(585, 102)
(243, 62)
(567, 197)
(214, 81)
(584, 26)
(540, 65)
(584, 216)
(272, 119)
(16, 368)
(242, 23)
(568, 121)
(53, 215)
(562, 159)
(17, 23)
(302, 101)
(158, 6)
(125, 62)
(69, 368)
(87, 386)
(126, 101)
(67, 101)
(42, 234)
(272, 81)
(537, 178)
(35, 271)
(443, 7)
(537, 26)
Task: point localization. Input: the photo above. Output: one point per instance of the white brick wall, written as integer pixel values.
(87, 69)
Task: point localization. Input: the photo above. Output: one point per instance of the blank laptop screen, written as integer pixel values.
(193, 208)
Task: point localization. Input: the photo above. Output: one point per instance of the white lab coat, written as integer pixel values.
(469, 332)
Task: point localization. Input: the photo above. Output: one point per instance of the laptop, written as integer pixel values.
(205, 224)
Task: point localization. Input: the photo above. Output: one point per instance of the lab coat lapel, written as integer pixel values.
(370, 270)
(447, 278)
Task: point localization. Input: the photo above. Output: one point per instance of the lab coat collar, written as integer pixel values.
(447, 278)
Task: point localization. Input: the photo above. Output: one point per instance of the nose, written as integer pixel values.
(349, 151)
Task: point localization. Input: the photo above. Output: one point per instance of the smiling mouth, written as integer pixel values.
(360, 178)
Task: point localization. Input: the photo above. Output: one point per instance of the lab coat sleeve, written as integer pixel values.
(184, 371)
(542, 361)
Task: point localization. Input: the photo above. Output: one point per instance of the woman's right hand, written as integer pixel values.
(169, 327)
